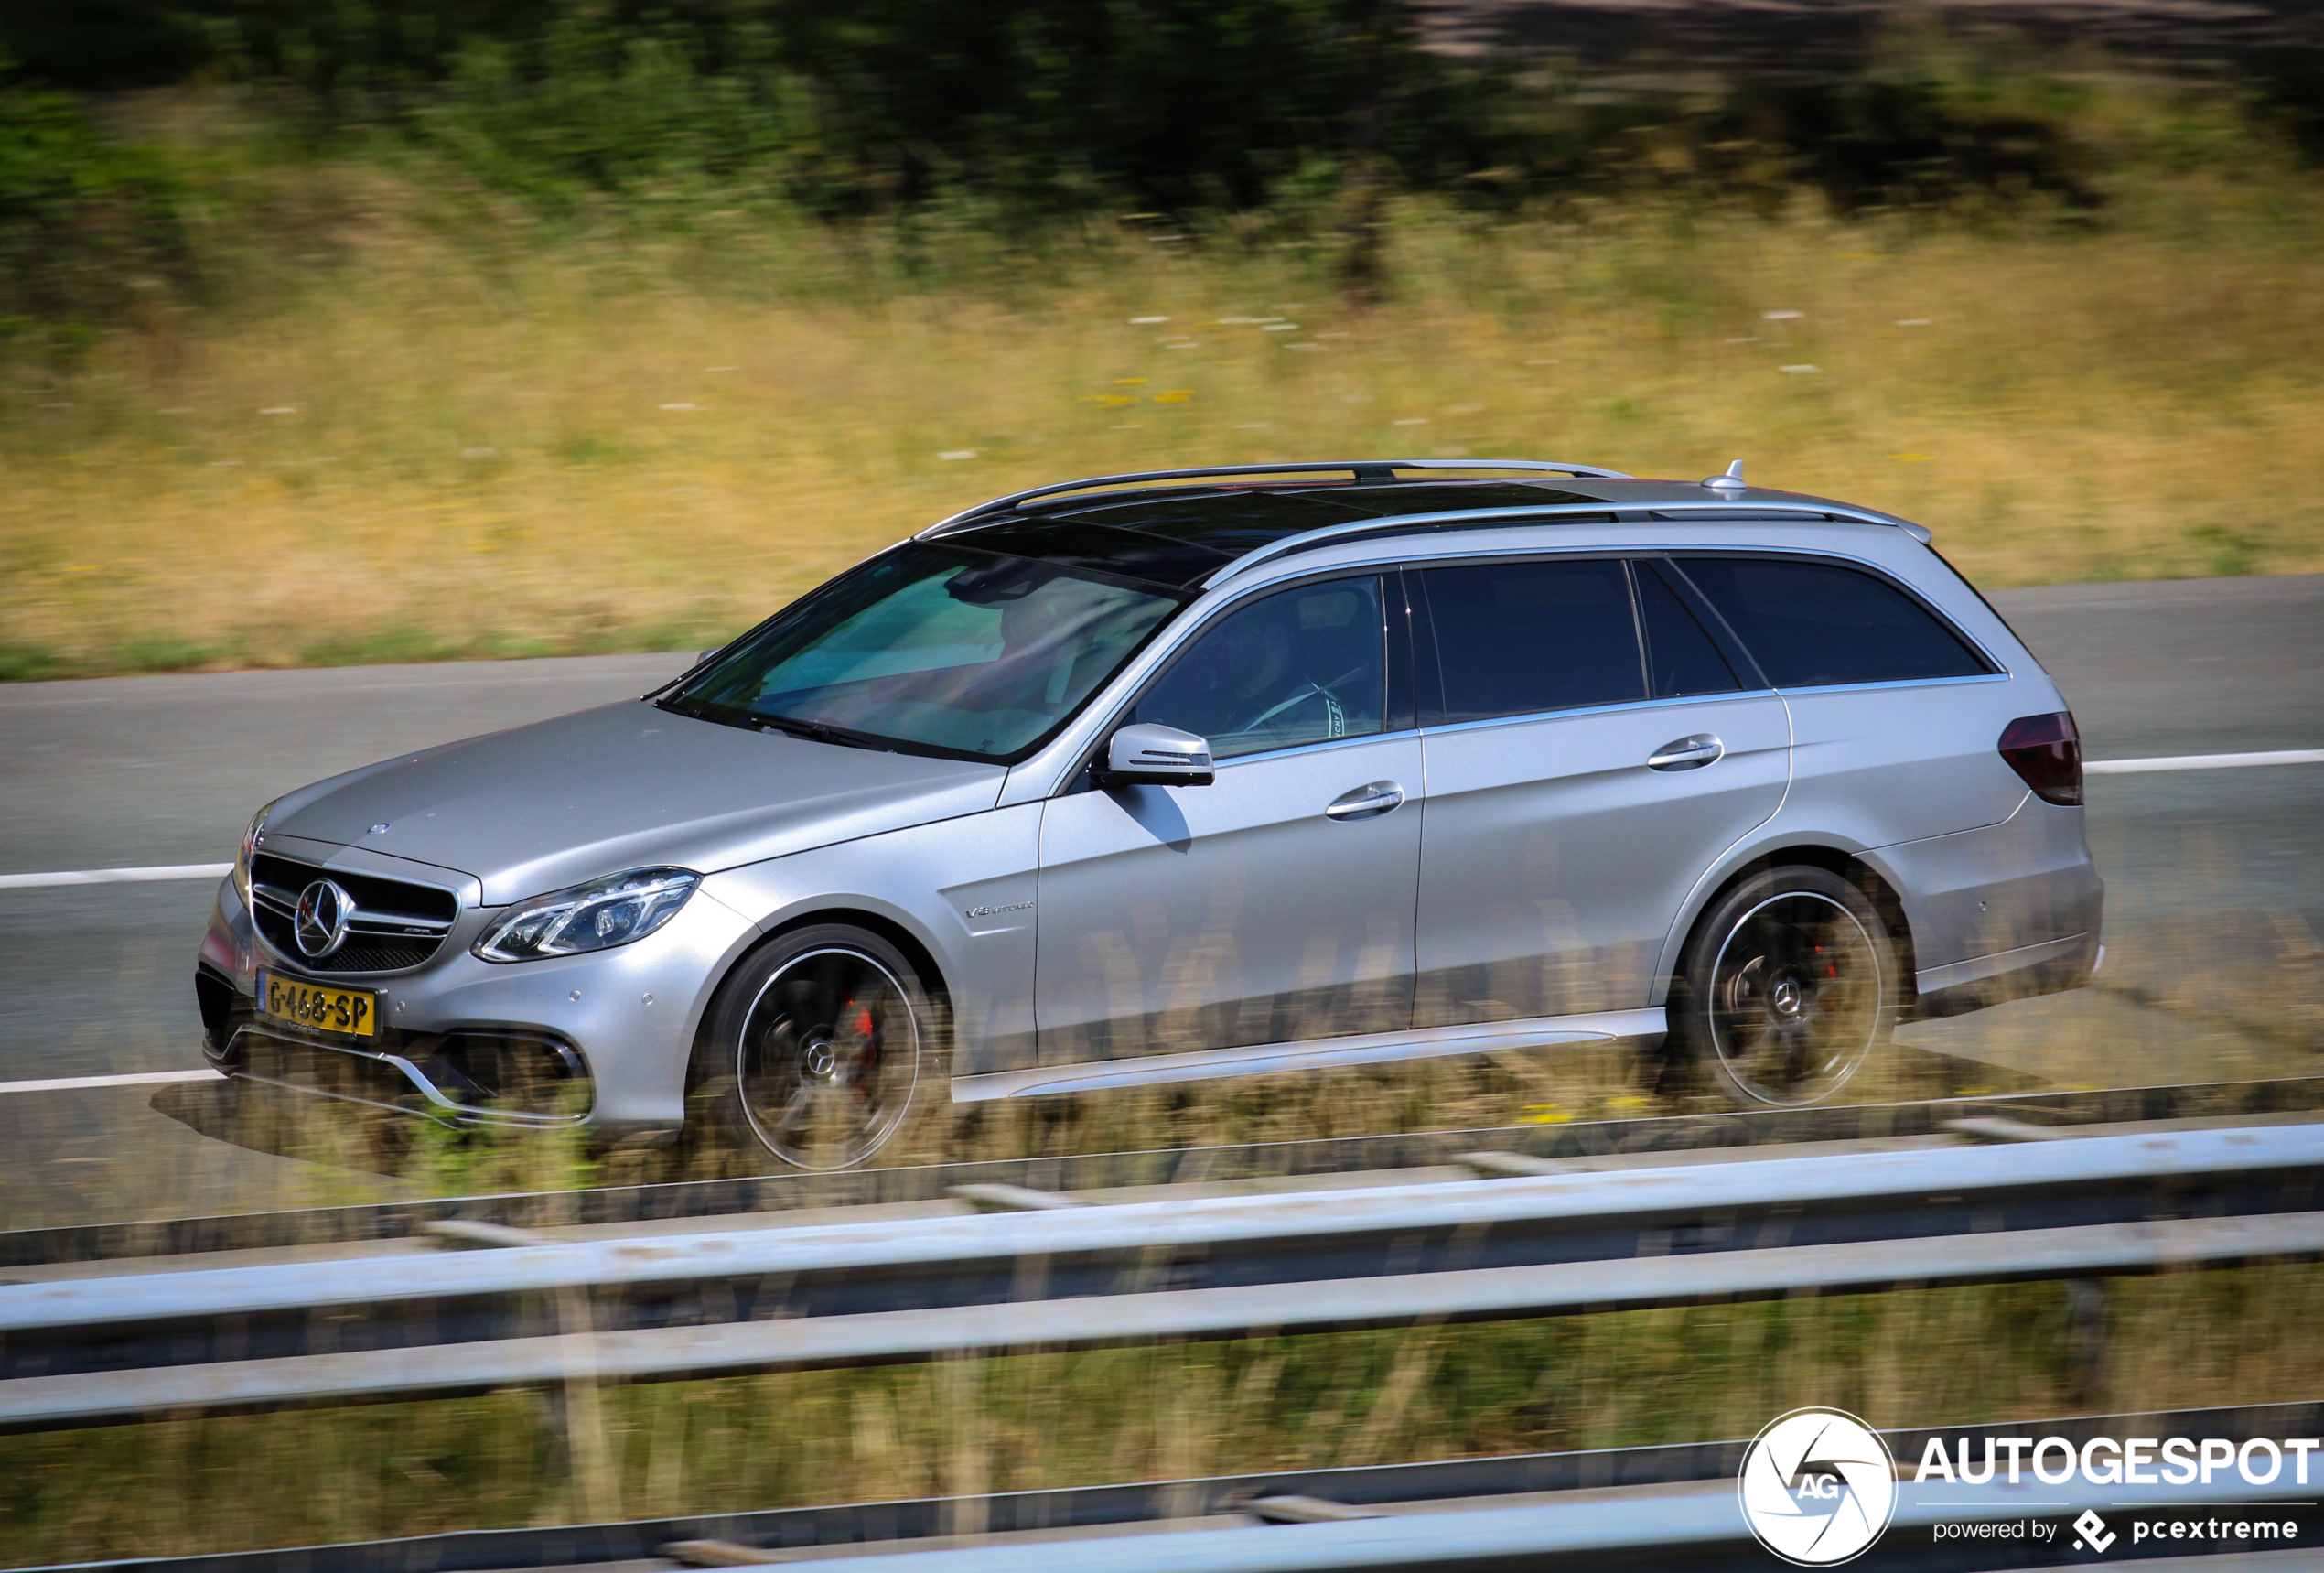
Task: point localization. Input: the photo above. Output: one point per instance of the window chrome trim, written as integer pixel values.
(1619, 706)
(1896, 682)
(1316, 747)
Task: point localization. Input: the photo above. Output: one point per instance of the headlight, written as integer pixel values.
(593, 917)
(250, 849)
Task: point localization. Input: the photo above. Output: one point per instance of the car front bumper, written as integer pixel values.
(601, 1038)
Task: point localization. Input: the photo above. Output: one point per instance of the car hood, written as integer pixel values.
(625, 786)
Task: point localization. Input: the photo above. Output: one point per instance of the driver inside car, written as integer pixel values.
(1299, 666)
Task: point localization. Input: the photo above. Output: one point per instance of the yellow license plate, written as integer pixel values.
(352, 1012)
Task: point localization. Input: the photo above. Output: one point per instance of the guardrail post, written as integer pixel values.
(2086, 1335)
(961, 1385)
(579, 1407)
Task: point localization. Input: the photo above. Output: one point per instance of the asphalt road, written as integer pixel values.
(2215, 878)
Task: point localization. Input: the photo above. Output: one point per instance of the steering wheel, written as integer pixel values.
(1334, 714)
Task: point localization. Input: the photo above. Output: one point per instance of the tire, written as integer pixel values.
(1789, 984)
(816, 1049)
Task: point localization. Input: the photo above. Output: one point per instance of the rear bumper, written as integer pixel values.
(2003, 913)
(2051, 967)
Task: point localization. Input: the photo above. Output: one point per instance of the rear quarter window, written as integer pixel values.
(1817, 624)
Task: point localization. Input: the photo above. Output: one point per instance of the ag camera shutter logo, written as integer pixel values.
(1818, 1487)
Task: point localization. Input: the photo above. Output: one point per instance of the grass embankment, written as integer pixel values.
(483, 443)
(1923, 1357)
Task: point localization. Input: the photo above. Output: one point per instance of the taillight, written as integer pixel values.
(2046, 752)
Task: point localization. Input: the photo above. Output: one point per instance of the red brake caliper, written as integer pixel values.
(869, 1033)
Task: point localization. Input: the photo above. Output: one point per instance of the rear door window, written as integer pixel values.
(1817, 624)
(1681, 657)
(1516, 637)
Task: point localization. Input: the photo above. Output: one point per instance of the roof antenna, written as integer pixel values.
(1731, 484)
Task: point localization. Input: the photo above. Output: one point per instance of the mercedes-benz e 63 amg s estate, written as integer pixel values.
(1159, 776)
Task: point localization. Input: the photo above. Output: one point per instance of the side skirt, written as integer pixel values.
(1310, 1054)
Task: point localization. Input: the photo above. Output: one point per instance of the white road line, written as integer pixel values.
(117, 876)
(2203, 762)
(129, 1079)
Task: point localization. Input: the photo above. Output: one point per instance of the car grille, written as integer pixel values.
(396, 924)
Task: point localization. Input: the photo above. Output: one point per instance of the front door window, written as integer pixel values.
(1304, 665)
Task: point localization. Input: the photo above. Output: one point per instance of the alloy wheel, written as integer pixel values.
(1795, 998)
(828, 1058)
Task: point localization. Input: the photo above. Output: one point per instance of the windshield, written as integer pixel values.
(932, 648)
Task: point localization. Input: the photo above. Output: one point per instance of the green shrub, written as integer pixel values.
(88, 227)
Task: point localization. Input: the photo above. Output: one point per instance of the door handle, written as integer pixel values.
(1366, 801)
(1687, 753)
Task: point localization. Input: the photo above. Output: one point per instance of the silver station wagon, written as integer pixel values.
(1212, 772)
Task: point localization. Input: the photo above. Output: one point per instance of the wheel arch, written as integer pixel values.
(916, 950)
(1853, 866)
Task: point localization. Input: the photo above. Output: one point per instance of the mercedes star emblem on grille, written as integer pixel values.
(323, 912)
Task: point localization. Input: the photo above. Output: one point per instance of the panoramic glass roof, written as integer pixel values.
(1179, 536)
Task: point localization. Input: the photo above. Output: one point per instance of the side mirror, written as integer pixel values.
(1151, 755)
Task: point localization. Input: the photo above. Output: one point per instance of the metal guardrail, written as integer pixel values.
(691, 1353)
(1246, 1239)
(1694, 1529)
(1577, 1139)
(1641, 1508)
(112, 1348)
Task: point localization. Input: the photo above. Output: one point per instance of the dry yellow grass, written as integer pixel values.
(459, 447)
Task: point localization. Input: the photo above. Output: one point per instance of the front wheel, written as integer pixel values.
(1788, 985)
(816, 1048)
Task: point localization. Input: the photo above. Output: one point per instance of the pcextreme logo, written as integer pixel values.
(1818, 1487)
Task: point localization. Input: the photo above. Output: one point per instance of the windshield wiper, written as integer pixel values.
(815, 731)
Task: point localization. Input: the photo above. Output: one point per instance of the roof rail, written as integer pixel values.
(1328, 534)
(1367, 471)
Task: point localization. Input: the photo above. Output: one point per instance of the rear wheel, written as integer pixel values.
(1788, 985)
(816, 1046)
